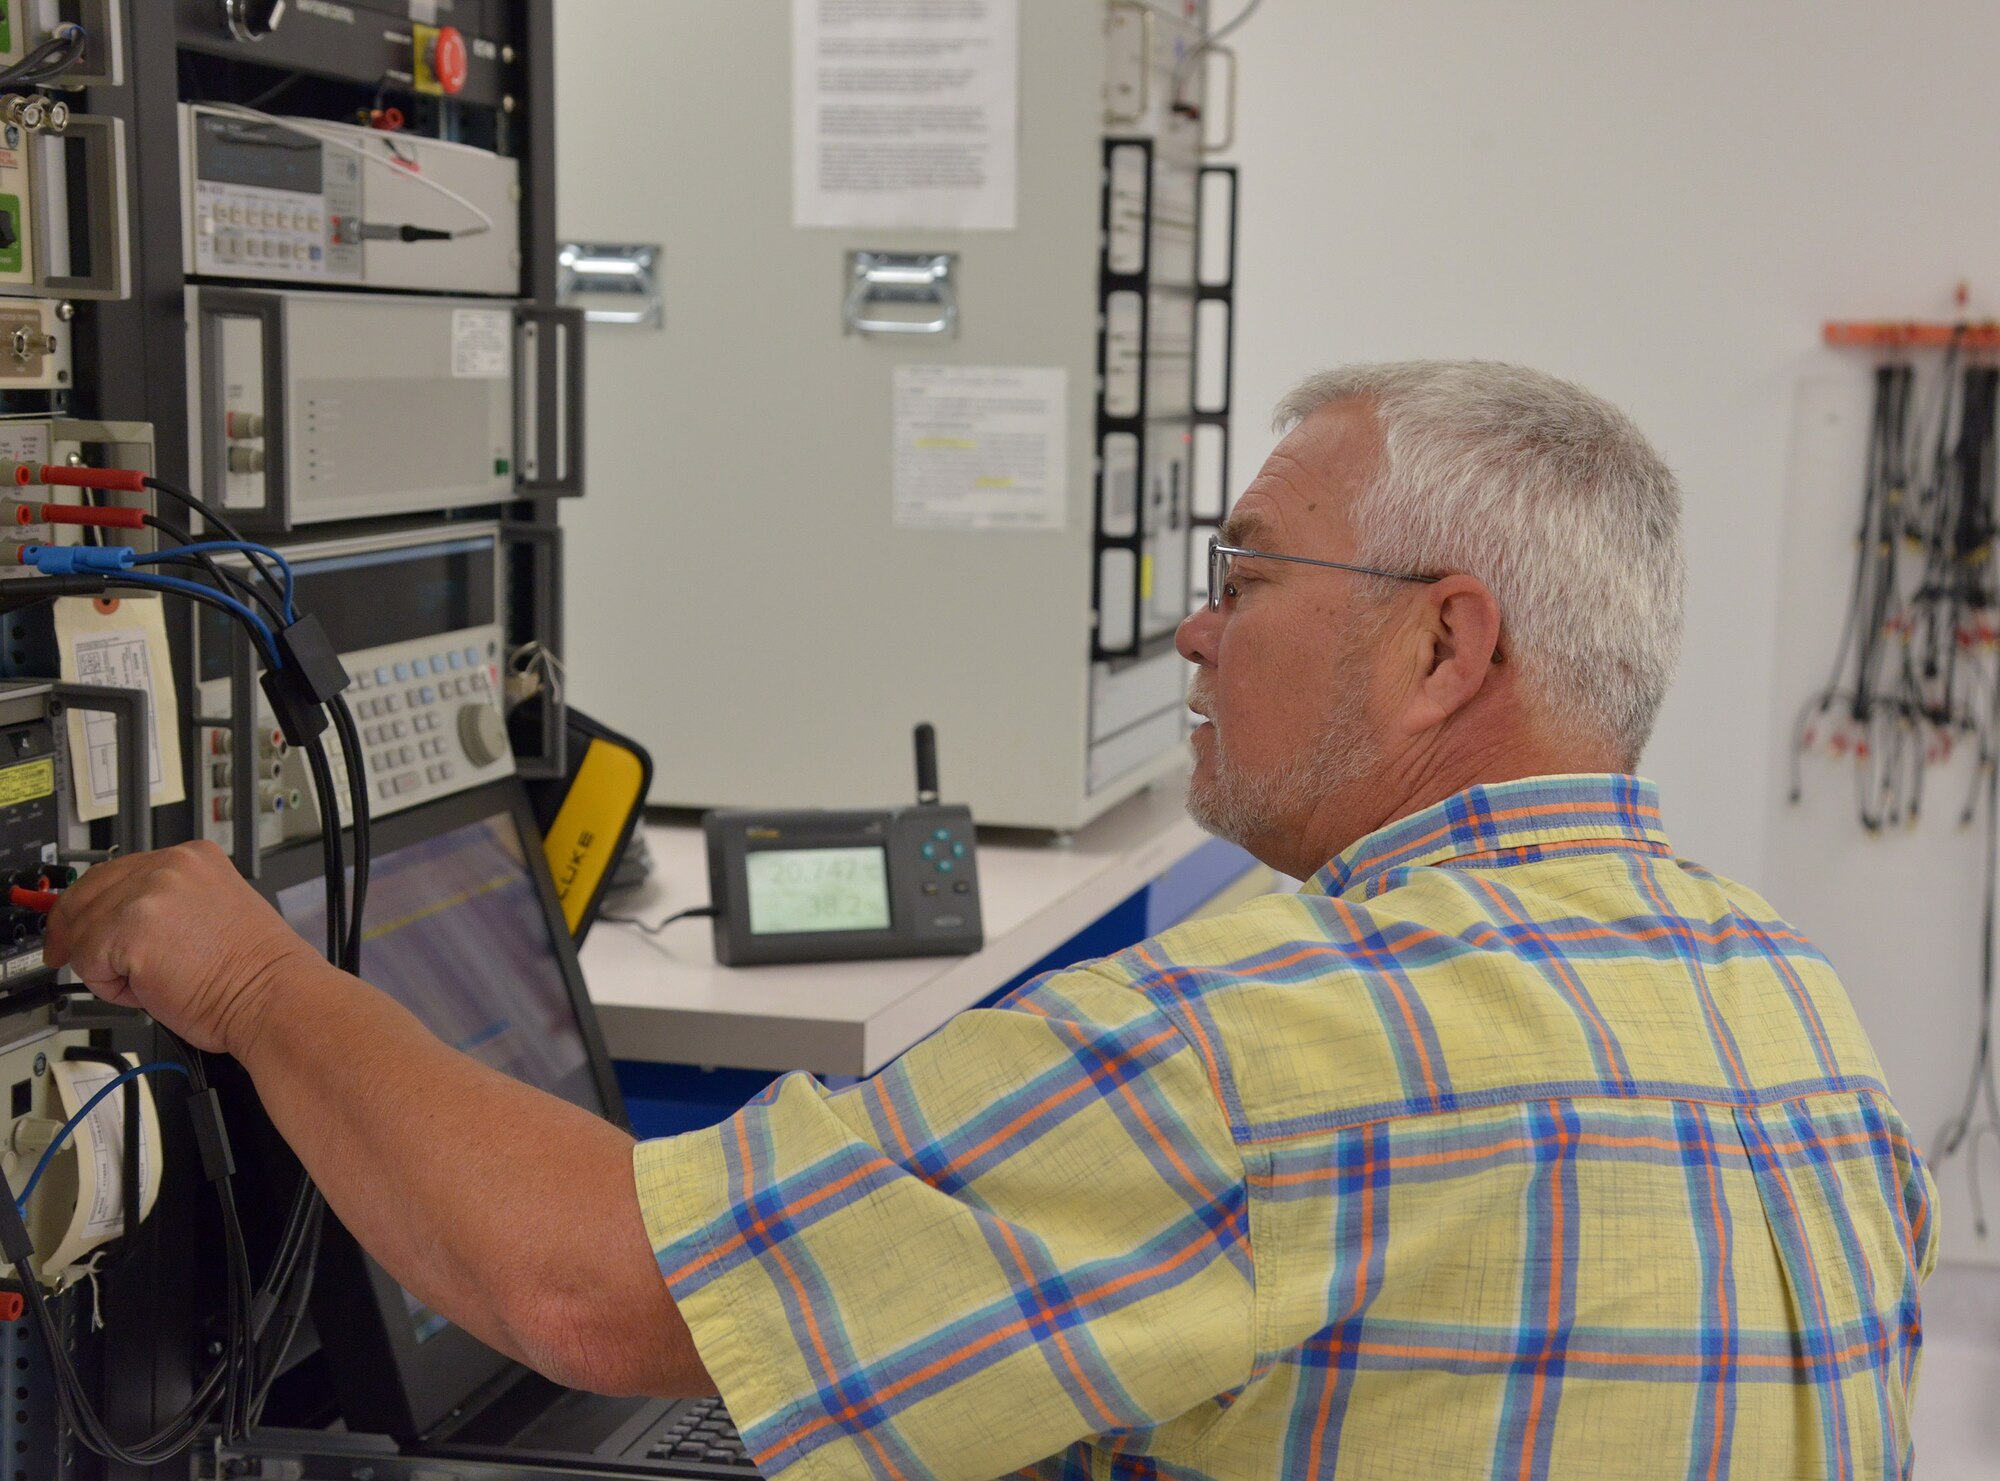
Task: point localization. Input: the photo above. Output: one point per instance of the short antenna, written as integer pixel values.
(927, 776)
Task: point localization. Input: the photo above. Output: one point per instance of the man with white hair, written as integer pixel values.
(1509, 1145)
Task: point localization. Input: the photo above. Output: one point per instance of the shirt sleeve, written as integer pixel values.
(1031, 1229)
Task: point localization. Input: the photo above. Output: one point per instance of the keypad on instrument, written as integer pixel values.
(405, 711)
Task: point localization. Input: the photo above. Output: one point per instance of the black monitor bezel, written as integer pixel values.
(388, 1382)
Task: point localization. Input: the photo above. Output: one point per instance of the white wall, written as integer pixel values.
(1664, 202)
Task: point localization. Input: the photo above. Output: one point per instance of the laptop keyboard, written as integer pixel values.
(698, 1433)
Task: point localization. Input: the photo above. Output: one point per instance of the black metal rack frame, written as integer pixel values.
(131, 364)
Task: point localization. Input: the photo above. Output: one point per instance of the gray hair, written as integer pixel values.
(1548, 494)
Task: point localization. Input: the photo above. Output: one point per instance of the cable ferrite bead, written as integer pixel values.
(211, 1136)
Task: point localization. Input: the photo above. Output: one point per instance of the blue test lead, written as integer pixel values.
(77, 560)
(212, 547)
(157, 1067)
(119, 561)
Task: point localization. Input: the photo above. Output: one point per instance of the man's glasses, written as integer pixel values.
(1221, 557)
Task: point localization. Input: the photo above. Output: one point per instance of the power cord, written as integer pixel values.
(694, 913)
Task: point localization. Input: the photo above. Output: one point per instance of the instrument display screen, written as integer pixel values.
(241, 152)
(387, 596)
(817, 889)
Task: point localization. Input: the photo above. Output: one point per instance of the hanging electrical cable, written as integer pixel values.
(1916, 669)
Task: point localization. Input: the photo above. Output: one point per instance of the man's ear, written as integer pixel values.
(1459, 643)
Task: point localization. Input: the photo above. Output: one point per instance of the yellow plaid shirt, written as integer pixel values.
(1510, 1146)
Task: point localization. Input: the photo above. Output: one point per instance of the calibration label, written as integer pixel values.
(482, 344)
(29, 783)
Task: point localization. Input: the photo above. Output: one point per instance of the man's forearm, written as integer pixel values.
(511, 1212)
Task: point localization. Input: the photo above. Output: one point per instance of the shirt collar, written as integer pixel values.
(1614, 811)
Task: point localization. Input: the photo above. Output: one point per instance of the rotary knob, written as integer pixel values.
(483, 734)
(252, 20)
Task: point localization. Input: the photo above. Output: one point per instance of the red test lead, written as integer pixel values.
(79, 514)
(39, 901)
(57, 475)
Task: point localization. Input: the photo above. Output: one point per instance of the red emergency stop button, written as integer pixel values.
(448, 58)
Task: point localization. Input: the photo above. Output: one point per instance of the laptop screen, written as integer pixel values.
(464, 929)
(455, 933)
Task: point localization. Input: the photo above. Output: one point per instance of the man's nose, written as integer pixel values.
(1196, 636)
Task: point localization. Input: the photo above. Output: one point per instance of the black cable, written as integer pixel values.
(30, 591)
(298, 1247)
(238, 1353)
(1917, 668)
(81, 1418)
(259, 1324)
(329, 836)
(693, 913)
(1980, 1084)
(358, 819)
(299, 1294)
(188, 500)
(224, 579)
(33, 591)
(49, 60)
(284, 85)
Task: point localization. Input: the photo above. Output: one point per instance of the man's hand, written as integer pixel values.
(508, 1210)
(180, 934)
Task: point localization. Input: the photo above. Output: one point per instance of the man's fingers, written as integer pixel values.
(106, 882)
(110, 875)
(176, 932)
(114, 990)
(92, 904)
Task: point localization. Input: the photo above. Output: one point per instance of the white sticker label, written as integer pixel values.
(118, 660)
(904, 113)
(981, 448)
(103, 1196)
(24, 442)
(123, 648)
(97, 1151)
(482, 344)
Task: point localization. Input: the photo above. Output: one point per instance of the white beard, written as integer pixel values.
(1243, 808)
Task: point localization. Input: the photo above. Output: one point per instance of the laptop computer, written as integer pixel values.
(464, 928)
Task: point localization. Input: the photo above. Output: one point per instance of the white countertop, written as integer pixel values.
(664, 999)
